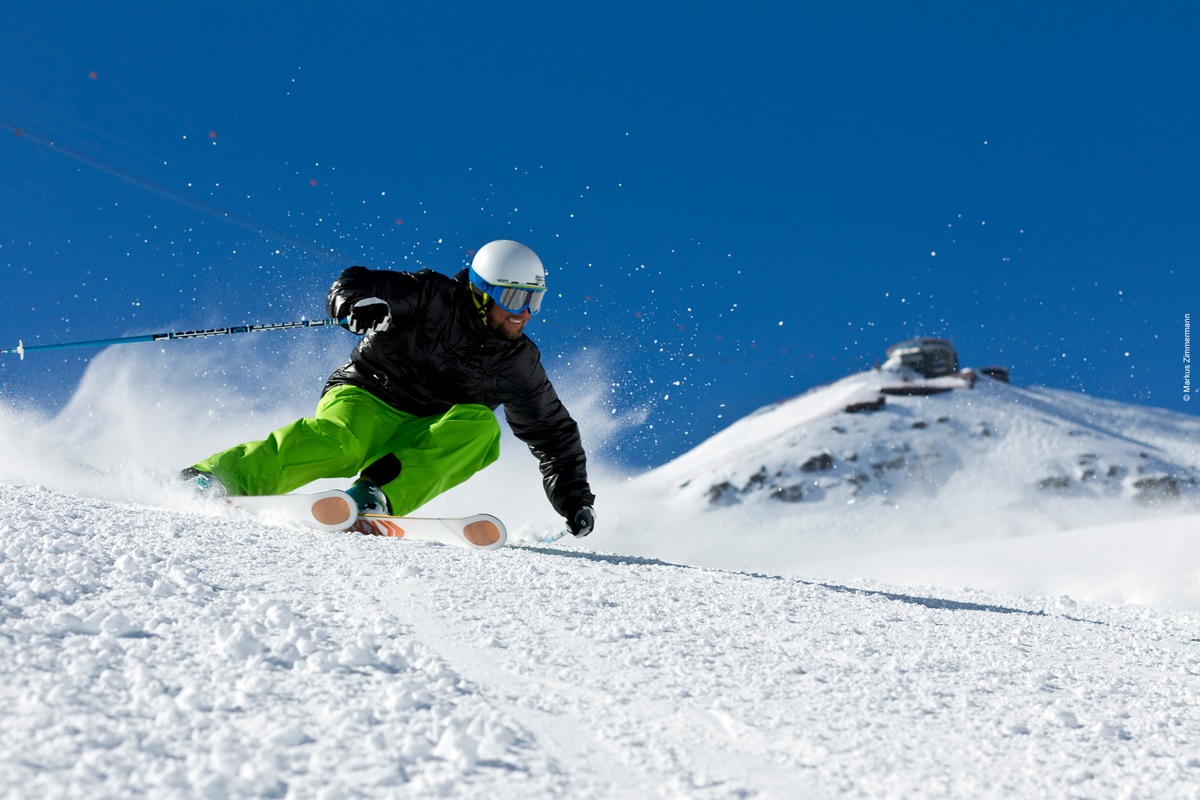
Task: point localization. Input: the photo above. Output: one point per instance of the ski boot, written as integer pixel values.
(369, 497)
(205, 484)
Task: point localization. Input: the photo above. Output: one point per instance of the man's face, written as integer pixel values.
(506, 324)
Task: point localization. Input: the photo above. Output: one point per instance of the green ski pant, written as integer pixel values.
(350, 430)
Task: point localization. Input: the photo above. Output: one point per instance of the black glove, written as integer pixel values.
(370, 314)
(580, 523)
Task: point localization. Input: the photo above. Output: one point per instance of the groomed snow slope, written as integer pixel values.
(188, 653)
(175, 651)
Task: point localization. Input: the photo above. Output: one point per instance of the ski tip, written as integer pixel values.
(334, 511)
(485, 531)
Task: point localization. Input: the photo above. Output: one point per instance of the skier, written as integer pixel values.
(412, 412)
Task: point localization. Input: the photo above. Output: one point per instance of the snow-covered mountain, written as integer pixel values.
(956, 480)
(891, 435)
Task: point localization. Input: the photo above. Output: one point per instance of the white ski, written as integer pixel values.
(479, 532)
(331, 510)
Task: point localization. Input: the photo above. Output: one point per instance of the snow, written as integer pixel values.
(178, 653)
(932, 638)
(1019, 490)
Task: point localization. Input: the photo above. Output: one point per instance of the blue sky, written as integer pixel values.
(736, 203)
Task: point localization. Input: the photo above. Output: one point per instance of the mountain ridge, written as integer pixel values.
(886, 433)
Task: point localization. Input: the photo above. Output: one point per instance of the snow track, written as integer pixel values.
(147, 652)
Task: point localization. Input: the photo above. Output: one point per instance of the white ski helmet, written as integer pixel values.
(510, 274)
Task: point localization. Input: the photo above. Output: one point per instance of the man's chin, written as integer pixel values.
(508, 332)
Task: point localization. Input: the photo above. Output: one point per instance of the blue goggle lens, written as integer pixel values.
(517, 300)
(512, 299)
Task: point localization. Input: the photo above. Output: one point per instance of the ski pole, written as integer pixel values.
(21, 349)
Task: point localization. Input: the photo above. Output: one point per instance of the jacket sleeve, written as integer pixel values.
(545, 425)
(401, 290)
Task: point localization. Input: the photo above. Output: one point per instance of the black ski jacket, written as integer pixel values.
(439, 352)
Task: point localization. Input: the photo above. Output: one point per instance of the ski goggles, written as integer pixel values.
(513, 299)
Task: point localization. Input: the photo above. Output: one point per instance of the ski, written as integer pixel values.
(331, 510)
(334, 510)
(479, 532)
